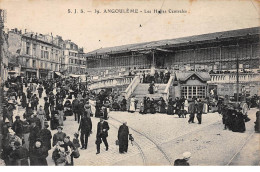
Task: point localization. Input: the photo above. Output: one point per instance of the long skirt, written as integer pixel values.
(42, 120)
(61, 115)
(132, 107)
(26, 140)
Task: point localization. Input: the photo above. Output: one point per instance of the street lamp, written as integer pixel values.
(237, 66)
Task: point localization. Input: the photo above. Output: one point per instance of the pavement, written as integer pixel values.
(161, 138)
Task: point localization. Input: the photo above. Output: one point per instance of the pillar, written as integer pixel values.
(153, 59)
(132, 59)
(220, 58)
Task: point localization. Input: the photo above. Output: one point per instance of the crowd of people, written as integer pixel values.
(28, 140)
(161, 77)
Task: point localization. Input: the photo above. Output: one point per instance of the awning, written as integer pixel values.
(74, 76)
(58, 73)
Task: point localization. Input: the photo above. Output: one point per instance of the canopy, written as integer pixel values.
(74, 76)
(58, 73)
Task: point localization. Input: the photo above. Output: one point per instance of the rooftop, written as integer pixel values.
(176, 41)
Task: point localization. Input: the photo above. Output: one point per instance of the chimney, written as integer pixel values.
(25, 30)
(36, 35)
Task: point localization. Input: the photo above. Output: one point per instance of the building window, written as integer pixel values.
(27, 62)
(34, 63)
(34, 49)
(27, 48)
(194, 91)
(41, 65)
(42, 54)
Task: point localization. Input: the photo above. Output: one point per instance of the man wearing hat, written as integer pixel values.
(20, 155)
(192, 110)
(184, 161)
(59, 136)
(45, 136)
(199, 111)
(85, 127)
(102, 134)
(17, 127)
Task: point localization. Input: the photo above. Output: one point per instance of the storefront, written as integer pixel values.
(43, 73)
(29, 73)
(191, 84)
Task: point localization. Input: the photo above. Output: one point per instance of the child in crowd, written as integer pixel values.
(76, 140)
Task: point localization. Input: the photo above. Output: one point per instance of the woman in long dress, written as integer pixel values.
(132, 105)
(170, 107)
(186, 105)
(161, 105)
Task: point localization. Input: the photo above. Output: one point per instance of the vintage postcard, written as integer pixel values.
(129, 83)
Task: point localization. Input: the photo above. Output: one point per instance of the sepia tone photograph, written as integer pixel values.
(129, 83)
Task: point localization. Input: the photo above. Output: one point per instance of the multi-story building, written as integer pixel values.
(74, 61)
(39, 55)
(4, 54)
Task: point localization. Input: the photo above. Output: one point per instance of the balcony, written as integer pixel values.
(232, 78)
(110, 82)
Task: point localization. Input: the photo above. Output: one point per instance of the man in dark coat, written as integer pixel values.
(20, 155)
(46, 108)
(122, 136)
(45, 136)
(40, 90)
(257, 122)
(23, 101)
(75, 108)
(102, 133)
(59, 136)
(17, 127)
(199, 111)
(81, 109)
(123, 104)
(192, 111)
(85, 127)
(34, 134)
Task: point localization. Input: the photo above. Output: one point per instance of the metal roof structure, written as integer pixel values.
(158, 45)
(184, 76)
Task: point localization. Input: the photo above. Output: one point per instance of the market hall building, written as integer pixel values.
(215, 53)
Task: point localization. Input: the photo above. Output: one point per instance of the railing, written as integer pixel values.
(166, 92)
(130, 89)
(232, 78)
(110, 82)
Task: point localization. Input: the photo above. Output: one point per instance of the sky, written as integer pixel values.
(93, 31)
